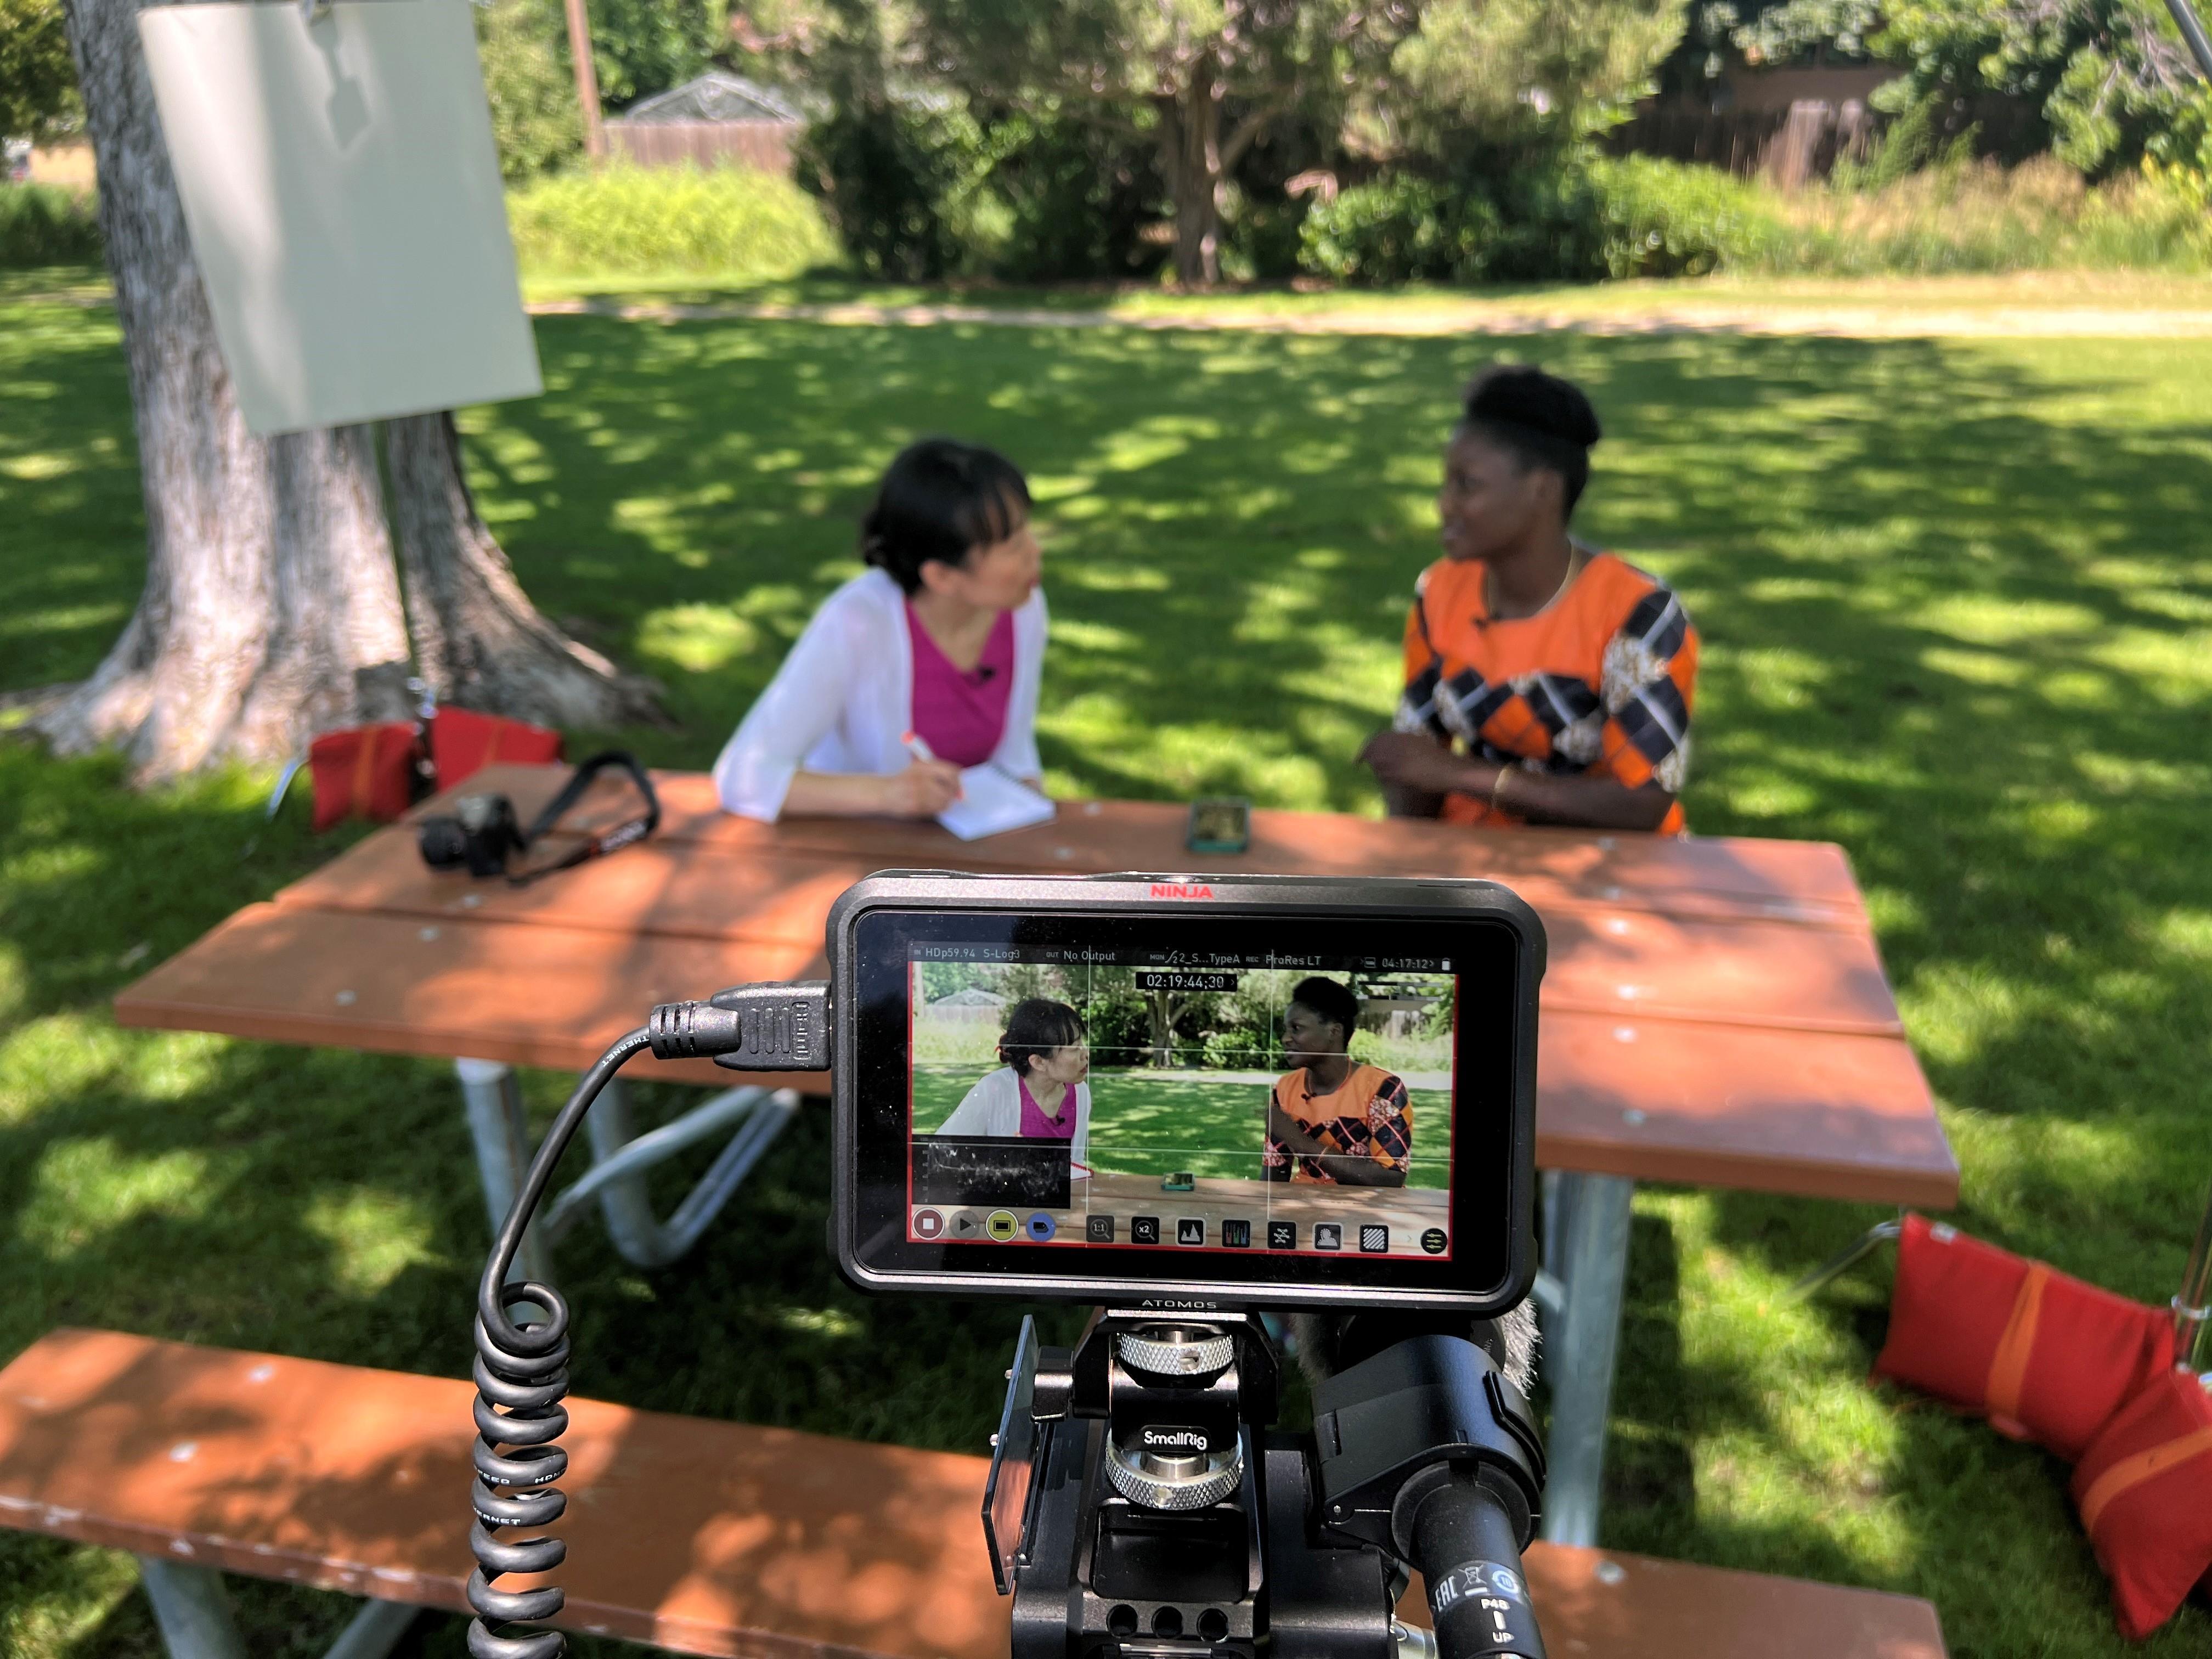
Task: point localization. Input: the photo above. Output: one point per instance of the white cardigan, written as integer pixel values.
(844, 698)
(994, 1107)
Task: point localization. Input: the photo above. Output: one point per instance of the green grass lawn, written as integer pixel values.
(1144, 1125)
(1958, 616)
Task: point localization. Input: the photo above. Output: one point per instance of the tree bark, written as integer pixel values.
(270, 608)
(478, 640)
(1190, 135)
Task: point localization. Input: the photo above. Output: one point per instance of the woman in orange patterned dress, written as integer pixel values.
(1546, 682)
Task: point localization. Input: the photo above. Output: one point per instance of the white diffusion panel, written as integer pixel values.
(342, 193)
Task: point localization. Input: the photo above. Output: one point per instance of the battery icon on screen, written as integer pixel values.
(1445, 965)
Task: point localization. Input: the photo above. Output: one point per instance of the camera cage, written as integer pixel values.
(866, 1245)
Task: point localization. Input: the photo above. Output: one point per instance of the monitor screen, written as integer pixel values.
(1304, 1110)
(1261, 1100)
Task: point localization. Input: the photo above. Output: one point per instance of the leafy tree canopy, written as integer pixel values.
(533, 94)
(38, 83)
(2107, 74)
(1530, 68)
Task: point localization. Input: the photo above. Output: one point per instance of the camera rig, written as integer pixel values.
(1157, 1515)
(1141, 1504)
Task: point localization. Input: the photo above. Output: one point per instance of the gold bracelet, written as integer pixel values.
(1498, 789)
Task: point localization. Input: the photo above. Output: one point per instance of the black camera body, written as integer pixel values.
(482, 836)
(485, 836)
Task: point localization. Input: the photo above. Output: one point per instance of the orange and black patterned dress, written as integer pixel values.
(1366, 1115)
(1598, 683)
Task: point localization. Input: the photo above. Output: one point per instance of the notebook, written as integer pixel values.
(991, 803)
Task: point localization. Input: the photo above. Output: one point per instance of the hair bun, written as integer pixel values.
(1527, 397)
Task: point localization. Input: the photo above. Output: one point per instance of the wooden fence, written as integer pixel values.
(762, 145)
(1792, 145)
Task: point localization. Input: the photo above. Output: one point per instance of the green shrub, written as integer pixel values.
(1078, 196)
(1959, 216)
(1576, 219)
(1265, 240)
(46, 225)
(1657, 218)
(1580, 219)
(730, 223)
(2159, 220)
(898, 176)
(1397, 229)
(534, 119)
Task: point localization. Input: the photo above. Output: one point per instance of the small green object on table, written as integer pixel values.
(1221, 823)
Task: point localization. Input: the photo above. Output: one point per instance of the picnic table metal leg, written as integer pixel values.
(620, 1160)
(502, 1141)
(1552, 1184)
(624, 1205)
(191, 1608)
(1579, 1354)
(374, 1632)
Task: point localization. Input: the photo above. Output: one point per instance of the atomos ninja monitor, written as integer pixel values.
(1251, 1091)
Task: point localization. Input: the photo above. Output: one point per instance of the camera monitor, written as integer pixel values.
(1246, 1090)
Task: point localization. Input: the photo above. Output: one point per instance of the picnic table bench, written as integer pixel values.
(1715, 1011)
(699, 1537)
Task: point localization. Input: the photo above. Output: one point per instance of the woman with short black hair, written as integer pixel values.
(927, 662)
(1039, 1091)
(1546, 682)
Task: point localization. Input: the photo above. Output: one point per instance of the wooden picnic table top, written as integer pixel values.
(1714, 1012)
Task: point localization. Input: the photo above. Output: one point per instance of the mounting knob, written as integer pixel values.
(1176, 1350)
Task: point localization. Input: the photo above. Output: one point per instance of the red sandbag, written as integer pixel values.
(2144, 1490)
(2042, 1355)
(463, 741)
(365, 769)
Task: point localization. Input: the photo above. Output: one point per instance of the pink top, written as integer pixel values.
(961, 716)
(1035, 1126)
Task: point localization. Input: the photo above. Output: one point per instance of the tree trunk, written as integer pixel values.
(270, 608)
(1190, 137)
(478, 640)
(1162, 1009)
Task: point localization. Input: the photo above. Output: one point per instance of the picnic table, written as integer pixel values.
(1714, 1013)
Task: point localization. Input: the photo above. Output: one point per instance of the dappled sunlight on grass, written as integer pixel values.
(697, 638)
(60, 1599)
(373, 1235)
(82, 1188)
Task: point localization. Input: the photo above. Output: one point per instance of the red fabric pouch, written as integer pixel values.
(2044, 1356)
(2145, 1493)
(463, 741)
(368, 769)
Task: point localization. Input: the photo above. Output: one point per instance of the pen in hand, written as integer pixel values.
(918, 746)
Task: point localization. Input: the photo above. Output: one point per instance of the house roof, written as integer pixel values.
(974, 996)
(714, 96)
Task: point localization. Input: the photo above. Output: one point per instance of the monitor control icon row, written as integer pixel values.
(1004, 1227)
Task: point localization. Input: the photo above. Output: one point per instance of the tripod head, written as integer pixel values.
(1141, 1504)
